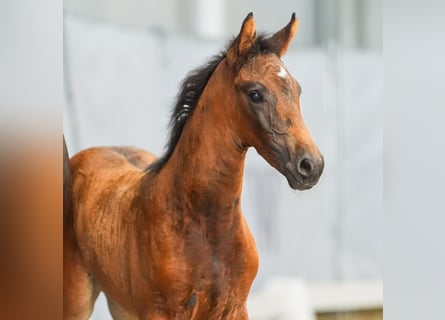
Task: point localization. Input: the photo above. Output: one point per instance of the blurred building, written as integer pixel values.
(352, 23)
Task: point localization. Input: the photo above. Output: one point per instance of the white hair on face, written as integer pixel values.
(282, 73)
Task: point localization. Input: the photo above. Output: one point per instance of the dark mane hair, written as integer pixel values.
(191, 89)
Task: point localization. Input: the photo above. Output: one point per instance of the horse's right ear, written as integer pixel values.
(244, 41)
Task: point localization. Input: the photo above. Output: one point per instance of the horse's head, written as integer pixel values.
(266, 103)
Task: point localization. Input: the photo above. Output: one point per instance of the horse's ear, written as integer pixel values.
(280, 40)
(245, 40)
(247, 35)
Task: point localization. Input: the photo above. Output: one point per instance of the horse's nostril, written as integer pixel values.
(305, 167)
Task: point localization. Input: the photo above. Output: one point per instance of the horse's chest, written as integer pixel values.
(203, 271)
(220, 282)
(217, 288)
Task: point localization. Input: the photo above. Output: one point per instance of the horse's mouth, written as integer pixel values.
(296, 181)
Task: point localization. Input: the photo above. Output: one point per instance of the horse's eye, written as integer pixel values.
(255, 96)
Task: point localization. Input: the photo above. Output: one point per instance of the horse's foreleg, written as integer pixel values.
(80, 290)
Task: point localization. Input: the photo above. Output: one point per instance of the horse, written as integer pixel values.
(165, 238)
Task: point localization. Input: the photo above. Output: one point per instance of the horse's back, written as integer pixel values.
(99, 170)
(110, 158)
(136, 156)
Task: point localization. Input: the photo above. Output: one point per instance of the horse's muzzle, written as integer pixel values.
(304, 172)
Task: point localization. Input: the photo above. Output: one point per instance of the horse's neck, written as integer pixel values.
(206, 169)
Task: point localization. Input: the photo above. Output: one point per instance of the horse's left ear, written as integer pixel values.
(280, 40)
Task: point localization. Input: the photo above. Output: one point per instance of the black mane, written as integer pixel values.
(191, 89)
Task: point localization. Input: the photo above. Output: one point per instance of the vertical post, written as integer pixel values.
(204, 18)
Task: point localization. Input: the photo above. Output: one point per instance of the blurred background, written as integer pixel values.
(320, 250)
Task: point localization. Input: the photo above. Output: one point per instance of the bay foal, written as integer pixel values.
(165, 238)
